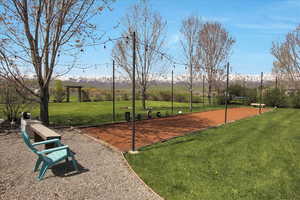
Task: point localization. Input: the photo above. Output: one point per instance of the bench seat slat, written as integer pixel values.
(44, 132)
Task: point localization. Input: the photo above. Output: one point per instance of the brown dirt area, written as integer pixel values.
(155, 130)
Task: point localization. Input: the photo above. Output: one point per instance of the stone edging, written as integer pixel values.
(138, 177)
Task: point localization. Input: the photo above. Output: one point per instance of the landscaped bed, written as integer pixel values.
(155, 130)
(255, 158)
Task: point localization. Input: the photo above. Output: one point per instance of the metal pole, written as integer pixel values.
(191, 88)
(203, 88)
(226, 94)
(114, 93)
(261, 87)
(172, 92)
(133, 91)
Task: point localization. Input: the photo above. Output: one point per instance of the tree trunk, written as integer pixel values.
(191, 99)
(209, 93)
(44, 111)
(144, 98)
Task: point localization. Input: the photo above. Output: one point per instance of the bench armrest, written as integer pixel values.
(53, 149)
(47, 142)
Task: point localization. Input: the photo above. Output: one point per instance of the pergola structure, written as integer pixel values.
(68, 92)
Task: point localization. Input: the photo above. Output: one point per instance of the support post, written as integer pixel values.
(68, 94)
(226, 94)
(261, 88)
(203, 88)
(133, 91)
(113, 93)
(172, 92)
(191, 88)
(79, 94)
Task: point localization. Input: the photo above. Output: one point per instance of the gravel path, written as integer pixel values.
(103, 173)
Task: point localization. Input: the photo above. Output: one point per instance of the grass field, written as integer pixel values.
(255, 158)
(91, 113)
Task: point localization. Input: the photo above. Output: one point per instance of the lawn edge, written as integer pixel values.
(138, 177)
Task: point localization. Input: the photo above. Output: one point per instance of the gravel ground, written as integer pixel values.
(103, 173)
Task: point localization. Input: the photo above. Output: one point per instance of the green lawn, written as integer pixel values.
(255, 158)
(90, 113)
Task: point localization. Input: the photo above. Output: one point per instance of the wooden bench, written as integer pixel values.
(258, 105)
(41, 133)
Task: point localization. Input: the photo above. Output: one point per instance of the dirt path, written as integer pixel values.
(155, 130)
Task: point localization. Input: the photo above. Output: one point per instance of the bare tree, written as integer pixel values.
(190, 29)
(214, 49)
(287, 55)
(150, 28)
(35, 34)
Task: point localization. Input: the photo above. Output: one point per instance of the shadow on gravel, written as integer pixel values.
(66, 169)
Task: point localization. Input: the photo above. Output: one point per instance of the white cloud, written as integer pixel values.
(173, 39)
(269, 26)
(216, 19)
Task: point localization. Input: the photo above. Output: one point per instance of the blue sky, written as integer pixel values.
(254, 24)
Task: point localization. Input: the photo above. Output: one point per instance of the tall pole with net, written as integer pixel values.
(203, 88)
(114, 92)
(226, 93)
(261, 88)
(172, 92)
(133, 90)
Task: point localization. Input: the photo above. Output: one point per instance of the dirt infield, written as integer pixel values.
(155, 130)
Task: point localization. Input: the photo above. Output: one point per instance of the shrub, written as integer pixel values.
(95, 94)
(124, 96)
(164, 96)
(59, 93)
(107, 96)
(251, 96)
(221, 99)
(85, 95)
(295, 99)
(274, 97)
(14, 103)
(180, 97)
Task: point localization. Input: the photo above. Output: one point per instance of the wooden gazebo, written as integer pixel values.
(68, 92)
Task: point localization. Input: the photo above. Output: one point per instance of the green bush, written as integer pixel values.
(85, 95)
(220, 100)
(108, 96)
(59, 93)
(95, 94)
(295, 99)
(251, 96)
(180, 97)
(274, 97)
(124, 96)
(165, 96)
(236, 90)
